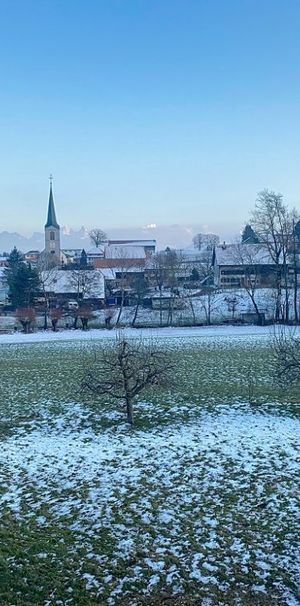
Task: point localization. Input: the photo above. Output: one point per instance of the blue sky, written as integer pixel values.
(147, 111)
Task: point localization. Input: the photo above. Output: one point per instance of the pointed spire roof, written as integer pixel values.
(51, 217)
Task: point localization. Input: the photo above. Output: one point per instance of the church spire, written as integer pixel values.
(51, 217)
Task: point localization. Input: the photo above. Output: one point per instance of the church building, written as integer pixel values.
(52, 229)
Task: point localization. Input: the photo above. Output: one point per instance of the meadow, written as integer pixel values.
(197, 504)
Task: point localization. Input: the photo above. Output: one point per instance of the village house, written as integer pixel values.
(235, 265)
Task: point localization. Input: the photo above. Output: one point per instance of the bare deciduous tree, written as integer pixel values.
(159, 272)
(26, 317)
(85, 313)
(205, 241)
(286, 349)
(250, 257)
(97, 236)
(198, 241)
(55, 315)
(166, 266)
(127, 265)
(210, 302)
(140, 287)
(83, 281)
(126, 370)
(47, 271)
(273, 223)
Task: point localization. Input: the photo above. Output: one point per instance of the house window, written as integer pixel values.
(52, 235)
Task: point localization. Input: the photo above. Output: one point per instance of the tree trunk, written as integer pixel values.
(121, 309)
(286, 290)
(84, 322)
(278, 294)
(193, 312)
(129, 409)
(160, 306)
(208, 309)
(295, 279)
(296, 295)
(135, 313)
(46, 319)
(252, 297)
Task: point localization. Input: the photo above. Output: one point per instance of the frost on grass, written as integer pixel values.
(201, 498)
(209, 507)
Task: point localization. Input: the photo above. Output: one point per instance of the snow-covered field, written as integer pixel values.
(200, 500)
(161, 333)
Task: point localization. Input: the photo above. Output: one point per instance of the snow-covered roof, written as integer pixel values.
(109, 273)
(96, 251)
(142, 243)
(243, 254)
(124, 252)
(62, 281)
(72, 252)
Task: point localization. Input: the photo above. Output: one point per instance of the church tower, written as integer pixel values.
(52, 229)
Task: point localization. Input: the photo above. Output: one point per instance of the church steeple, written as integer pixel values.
(52, 230)
(51, 217)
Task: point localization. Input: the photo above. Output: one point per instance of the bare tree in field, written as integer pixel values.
(166, 266)
(55, 315)
(140, 287)
(126, 370)
(286, 349)
(26, 317)
(85, 313)
(158, 265)
(97, 236)
(201, 276)
(250, 257)
(84, 283)
(47, 271)
(273, 224)
(174, 266)
(127, 265)
(210, 302)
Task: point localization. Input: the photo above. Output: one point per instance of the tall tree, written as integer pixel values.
(166, 266)
(47, 272)
(22, 280)
(250, 257)
(83, 260)
(97, 236)
(140, 286)
(127, 266)
(273, 223)
(205, 241)
(249, 236)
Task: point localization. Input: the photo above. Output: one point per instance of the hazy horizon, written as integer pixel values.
(175, 236)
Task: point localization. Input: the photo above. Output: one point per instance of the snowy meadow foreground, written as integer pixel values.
(197, 504)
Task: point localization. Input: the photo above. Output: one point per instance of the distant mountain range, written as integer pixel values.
(175, 236)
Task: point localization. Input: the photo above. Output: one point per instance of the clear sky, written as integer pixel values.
(147, 111)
